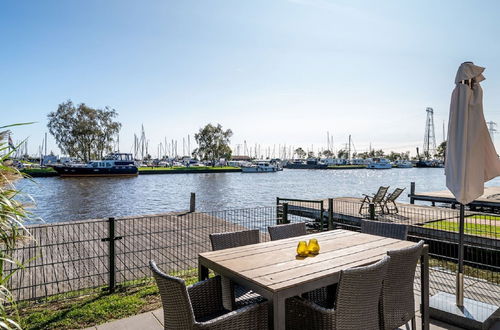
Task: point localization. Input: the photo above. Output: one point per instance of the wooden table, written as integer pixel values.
(273, 270)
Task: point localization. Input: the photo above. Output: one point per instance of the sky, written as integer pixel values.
(273, 71)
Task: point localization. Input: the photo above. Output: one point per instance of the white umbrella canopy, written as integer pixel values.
(471, 158)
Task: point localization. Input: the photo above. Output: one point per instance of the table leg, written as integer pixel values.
(202, 272)
(424, 285)
(279, 313)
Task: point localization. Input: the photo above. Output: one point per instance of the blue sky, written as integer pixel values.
(274, 71)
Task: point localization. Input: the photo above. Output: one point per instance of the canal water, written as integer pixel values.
(69, 199)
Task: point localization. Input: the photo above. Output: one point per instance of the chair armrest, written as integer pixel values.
(253, 316)
(304, 314)
(206, 297)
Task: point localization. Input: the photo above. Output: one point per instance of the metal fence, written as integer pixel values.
(72, 258)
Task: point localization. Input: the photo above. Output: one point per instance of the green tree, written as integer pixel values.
(441, 150)
(310, 154)
(342, 153)
(83, 132)
(213, 143)
(300, 153)
(379, 153)
(328, 153)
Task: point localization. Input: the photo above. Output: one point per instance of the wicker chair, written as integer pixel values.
(386, 229)
(199, 306)
(235, 295)
(356, 306)
(286, 231)
(398, 304)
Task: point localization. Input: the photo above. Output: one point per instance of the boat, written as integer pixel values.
(311, 164)
(259, 167)
(401, 163)
(429, 163)
(115, 164)
(379, 163)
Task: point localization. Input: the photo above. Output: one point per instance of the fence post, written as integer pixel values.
(192, 202)
(111, 254)
(371, 209)
(412, 192)
(278, 214)
(285, 213)
(330, 213)
(322, 219)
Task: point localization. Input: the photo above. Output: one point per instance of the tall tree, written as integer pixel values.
(441, 150)
(342, 153)
(213, 143)
(328, 154)
(83, 132)
(300, 152)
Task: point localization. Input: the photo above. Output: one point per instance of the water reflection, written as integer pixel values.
(69, 199)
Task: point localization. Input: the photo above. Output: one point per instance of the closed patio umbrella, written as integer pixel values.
(471, 158)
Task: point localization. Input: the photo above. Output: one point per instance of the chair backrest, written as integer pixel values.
(228, 240)
(395, 194)
(358, 296)
(177, 310)
(379, 196)
(386, 229)
(398, 305)
(286, 231)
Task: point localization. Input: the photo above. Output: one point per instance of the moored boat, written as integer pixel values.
(400, 163)
(379, 163)
(115, 164)
(259, 167)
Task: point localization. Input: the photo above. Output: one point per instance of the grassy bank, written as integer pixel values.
(469, 228)
(96, 308)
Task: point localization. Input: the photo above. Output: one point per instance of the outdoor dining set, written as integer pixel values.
(358, 280)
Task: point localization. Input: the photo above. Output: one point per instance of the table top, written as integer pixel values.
(275, 266)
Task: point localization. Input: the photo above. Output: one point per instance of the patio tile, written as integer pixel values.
(141, 321)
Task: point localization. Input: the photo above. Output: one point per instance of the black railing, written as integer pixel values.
(69, 259)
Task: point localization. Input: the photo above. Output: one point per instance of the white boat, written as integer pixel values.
(379, 163)
(260, 167)
(400, 163)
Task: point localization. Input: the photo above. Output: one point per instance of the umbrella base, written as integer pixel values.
(473, 315)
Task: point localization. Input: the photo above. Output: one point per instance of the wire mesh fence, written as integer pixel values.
(69, 259)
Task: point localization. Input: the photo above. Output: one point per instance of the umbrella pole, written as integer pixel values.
(460, 274)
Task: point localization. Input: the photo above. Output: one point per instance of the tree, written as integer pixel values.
(441, 150)
(300, 152)
(83, 132)
(328, 154)
(342, 153)
(213, 143)
(379, 153)
(310, 154)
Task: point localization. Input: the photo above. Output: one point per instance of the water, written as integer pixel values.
(68, 199)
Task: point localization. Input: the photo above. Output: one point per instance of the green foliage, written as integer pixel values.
(12, 216)
(300, 153)
(97, 308)
(83, 132)
(441, 150)
(477, 229)
(328, 153)
(213, 143)
(342, 153)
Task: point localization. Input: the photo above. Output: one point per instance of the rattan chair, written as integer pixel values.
(199, 306)
(386, 229)
(392, 199)
(376, 199)
(286, 231)
(398, 302)
(221, 241)
(235, 295)
(356, 306)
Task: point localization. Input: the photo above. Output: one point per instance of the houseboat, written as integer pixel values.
(379, 163)
(115, 164)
